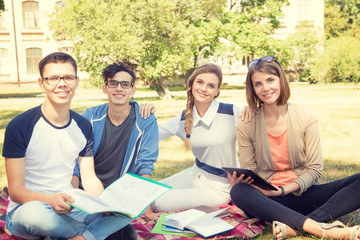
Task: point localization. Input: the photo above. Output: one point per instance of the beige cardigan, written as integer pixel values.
(303, 143)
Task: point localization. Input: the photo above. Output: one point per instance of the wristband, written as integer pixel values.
(282, 192)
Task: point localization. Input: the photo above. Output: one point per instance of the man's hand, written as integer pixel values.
(58, 203)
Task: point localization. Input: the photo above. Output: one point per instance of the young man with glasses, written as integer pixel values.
(40, 149)
(123, 140)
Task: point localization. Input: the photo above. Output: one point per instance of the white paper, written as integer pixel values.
(128, 195)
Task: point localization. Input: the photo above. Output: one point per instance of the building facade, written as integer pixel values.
(25, 39)
(301, 10)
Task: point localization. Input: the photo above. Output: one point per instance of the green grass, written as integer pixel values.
(336, 106)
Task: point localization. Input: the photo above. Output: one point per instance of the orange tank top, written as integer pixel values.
(280, 156)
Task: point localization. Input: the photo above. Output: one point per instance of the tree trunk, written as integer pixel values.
(190, 71)
(187, 75)
(162, 89)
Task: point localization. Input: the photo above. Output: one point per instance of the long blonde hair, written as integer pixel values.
(206, 68)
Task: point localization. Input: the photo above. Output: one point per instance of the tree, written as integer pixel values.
(2, 6)
(153, 36)
(301, 48)
(249, 27)
(334, 21)
(161, 39)
(339, 62)
(342, 17)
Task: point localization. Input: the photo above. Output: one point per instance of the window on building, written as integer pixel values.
(303, 9)
(4, 59)
(33, 57)
(2, 20)
(60, 3)
(30, 11)
(246, 60)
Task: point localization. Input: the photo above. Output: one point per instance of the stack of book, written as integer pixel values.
(202, 220)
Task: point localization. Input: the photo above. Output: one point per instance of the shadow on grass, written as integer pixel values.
(7, 116)
(79, 109)
(335, 171)
(149, 99)
(20, 95)
(166, 168)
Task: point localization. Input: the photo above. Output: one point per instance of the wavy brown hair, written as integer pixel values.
(273, 68)
(206, 68)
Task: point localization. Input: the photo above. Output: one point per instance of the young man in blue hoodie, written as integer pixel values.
(123, 140)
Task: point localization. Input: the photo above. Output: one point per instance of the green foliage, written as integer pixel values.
(339, 62)
(2, 6)
(162, 39)
(248, 31)
(299, 49)
(342, 16)
(152, 36)
(96, 32)
(334, 21)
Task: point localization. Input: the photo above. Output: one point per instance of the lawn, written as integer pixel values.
(336, 106)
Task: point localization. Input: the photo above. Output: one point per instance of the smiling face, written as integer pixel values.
(267, 87)
(205, 88)
(119, 95)
(62, 92)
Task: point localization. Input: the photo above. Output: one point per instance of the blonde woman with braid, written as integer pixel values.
(208, 128)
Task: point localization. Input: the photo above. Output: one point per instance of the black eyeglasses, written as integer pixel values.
(255, 62)
(54, 80)
(123, 84)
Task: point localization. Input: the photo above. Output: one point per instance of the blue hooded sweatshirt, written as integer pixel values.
(143, 148)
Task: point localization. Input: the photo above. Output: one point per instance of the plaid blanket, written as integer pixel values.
(244, 227)
(4, 202)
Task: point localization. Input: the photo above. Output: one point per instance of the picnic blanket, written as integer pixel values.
(4, 202)
(244, 227)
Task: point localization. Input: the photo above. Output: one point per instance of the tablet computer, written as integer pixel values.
(258, 181)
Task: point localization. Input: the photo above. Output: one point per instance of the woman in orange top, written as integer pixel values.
(282, 144)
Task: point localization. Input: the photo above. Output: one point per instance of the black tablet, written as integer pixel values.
(258, 181)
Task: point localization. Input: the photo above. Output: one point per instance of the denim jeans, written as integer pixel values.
(35, 219)
(322, 203)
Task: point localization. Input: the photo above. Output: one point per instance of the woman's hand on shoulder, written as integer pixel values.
(146, 109)
(247, 114)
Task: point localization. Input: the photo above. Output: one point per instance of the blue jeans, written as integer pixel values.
(35, 219)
